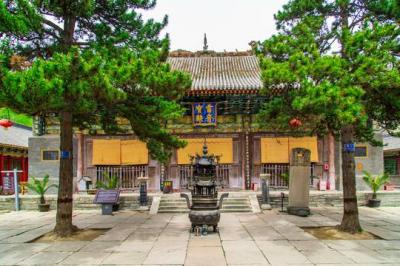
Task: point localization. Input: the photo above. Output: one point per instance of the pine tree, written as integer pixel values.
(337, 63)
(89, 62)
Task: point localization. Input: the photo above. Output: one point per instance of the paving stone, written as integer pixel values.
(174, 234)
(135, 246)
(167, 252)
(210, 240)
(85, 258)
(264, 233)
(15, 256)
(364, 256)
(67, 246)
(116, 234)
(125, 258)
(281, 252)
(4, 247)
(381, 244)
(11, 232)
(383, 233)
(343, 244)
(294, 235)
(326, 256)
(99, 246)
(29, 235)
(34, 247)
(391, 255)
(243, 252)
(309, 245)
(45, 258)
(234, 233)
(205, 256)
(145, 234)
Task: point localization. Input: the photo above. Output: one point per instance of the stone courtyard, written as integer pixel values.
(135, 238)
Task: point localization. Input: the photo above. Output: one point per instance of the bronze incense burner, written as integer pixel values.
(205, 206)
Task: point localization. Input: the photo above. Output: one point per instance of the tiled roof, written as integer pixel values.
(15, 136)
(221, 73)
(391, 143)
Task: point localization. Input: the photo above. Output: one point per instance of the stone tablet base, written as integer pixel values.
(106, 209)
(299, 211)
(266, 206)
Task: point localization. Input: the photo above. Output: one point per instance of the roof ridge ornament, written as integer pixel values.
(205, 45)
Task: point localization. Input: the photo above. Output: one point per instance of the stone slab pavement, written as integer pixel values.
(134, 238)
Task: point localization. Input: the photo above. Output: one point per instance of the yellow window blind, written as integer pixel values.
(106, 152)
(134, 152)
(274, 150)
(277, 150)
(218, 146)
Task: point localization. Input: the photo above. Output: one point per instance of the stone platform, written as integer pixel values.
(134, 238)
(130, 201)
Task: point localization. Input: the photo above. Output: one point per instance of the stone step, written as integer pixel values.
(172, 199)
(164, 203)
(178, 205)
(236, 206)
(172, 207)
(236, 203)
(173, 211)
(235, 210)
(225, 200)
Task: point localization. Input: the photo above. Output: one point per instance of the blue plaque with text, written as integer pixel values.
(204, 114)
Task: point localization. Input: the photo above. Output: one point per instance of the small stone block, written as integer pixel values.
(299, 211)
(266, 206)
(143, 208)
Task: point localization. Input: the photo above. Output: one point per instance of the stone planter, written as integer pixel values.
(44, 207)
(374, 203)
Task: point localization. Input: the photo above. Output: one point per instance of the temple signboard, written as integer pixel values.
(204, 114)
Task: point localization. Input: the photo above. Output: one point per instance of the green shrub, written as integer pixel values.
(40, 186)
(375, 183)
(111, 182)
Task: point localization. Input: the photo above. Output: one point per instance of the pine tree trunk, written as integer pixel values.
(64, 226)
(350, 222)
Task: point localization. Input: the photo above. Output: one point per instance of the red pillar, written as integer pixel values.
(8, 162)
(1, 168)
(23, 168)
(26, 171)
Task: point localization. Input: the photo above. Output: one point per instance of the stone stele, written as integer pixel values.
(299, 178)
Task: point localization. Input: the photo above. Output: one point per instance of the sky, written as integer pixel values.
(229, 24)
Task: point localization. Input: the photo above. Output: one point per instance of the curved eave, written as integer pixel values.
(13, 146)
(208, 92)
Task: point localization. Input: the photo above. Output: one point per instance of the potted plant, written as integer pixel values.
(285, 177)
(375, 183)
(110, 183)
(41, 187)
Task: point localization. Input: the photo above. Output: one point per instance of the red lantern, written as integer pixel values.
(6, 123)
(295, 123)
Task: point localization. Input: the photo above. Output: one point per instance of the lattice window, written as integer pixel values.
(186, 173)
(391, 166)
(127, 175)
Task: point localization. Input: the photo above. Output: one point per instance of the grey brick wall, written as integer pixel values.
(373, 163)
(38, 167)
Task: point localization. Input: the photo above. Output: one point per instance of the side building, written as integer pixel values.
(14, 152)
(221, 110)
